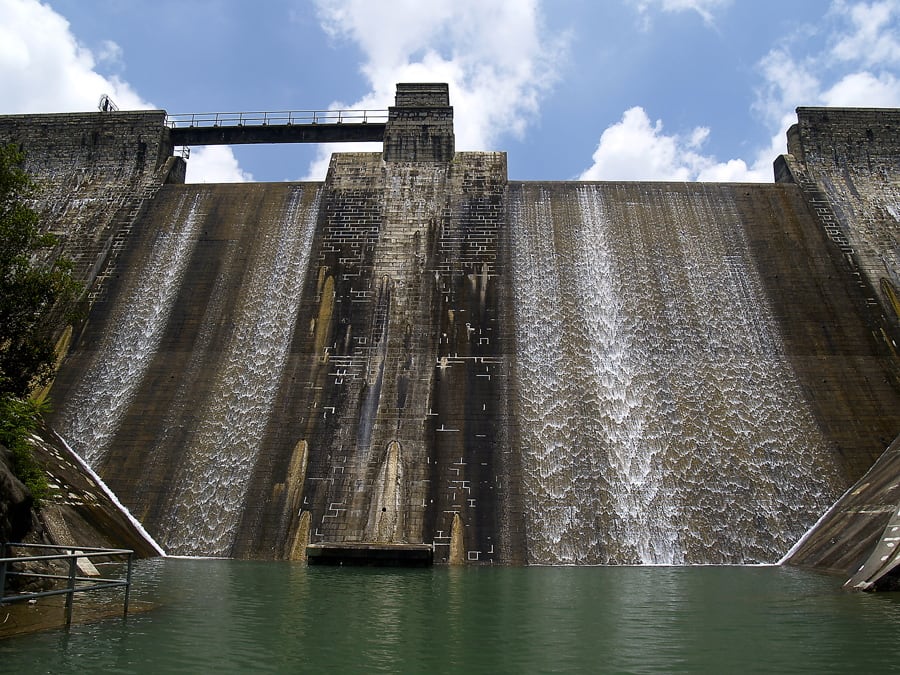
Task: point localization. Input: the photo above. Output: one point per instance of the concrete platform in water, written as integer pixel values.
(370, 554)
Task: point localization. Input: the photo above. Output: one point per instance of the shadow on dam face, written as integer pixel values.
(421, 352)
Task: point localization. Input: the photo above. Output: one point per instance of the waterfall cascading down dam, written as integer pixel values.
(420, 351)
(662, 421)
(209, 305)
(94, 409)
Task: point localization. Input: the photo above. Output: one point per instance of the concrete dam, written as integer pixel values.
(419, 350)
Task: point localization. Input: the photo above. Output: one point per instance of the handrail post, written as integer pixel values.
(3, 573)
(127, 585)
(70, 596)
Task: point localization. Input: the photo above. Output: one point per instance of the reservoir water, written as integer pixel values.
(229, 616)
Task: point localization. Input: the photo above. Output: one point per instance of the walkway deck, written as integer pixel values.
(288, 126)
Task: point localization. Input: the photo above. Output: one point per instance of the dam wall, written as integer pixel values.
(298, 363)
(171, 382)
(421, 351)
(847, 161)
(94, 173)
(398, 371)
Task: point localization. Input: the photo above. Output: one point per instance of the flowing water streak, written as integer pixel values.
(626, 397)
(662, 422)
(583, 396)
(552, 507)
(208, 498)
(96, 405)
(750, 461)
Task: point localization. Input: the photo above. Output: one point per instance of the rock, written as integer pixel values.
(15, 501)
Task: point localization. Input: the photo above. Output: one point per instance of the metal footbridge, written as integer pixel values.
(283, 126)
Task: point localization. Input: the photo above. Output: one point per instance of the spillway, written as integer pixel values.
(661, 419)
(107, 386)
(182, 370)
(207, 502)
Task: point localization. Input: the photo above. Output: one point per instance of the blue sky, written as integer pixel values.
(592, 89)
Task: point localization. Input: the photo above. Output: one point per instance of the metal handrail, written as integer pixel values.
(72, 579)
(281, 117)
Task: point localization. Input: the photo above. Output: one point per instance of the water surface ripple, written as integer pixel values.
(238, 617)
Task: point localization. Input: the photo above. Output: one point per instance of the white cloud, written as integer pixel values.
(874, 39)
(787, 83)
(704, 8)
(110, 53)
(864, 89)
(636, 149)
(491, 52)
(43, 68)
(857, 69)
(215, 164)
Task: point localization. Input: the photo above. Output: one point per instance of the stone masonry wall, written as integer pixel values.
(420, 125)
(94, 172)
(847, 161)
(847, 164)
(394, 396)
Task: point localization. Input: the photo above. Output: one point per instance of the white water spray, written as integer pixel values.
(662, 422)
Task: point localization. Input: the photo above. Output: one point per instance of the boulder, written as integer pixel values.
(15, 501)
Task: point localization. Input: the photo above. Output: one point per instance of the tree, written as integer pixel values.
(35, 295)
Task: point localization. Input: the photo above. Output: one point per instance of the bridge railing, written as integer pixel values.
(281, 117)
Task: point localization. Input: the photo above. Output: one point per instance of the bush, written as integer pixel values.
(19, 419)
(37, 294)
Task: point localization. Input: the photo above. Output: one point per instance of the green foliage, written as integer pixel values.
(35, 296)
(19, 418)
